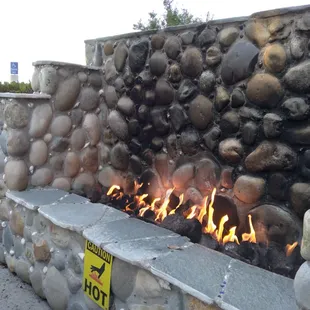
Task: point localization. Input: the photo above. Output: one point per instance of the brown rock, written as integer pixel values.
(172, 47)
(71, 164)
(108, 48)
(226, 178)
(18, 142)
(78, 139)
(38, 153)
(17, 223)
(67, 94)
(275, 58)
(42, 177)
(90, 159)
(120, 156)
(270, 156)
(157, 41)
(200, 112)
(108, 176)
(249, 189)
(231, 150)
(57, 162)
(41, 251)
(61, 125)
(227, 36)
(264, 90)
(300, 198)
(191, 62)
(104, 153)
(16, 175)
(257, 32)
(84, 180)
(91, 124)
(183, 175)
(62, 183)
(40, 120)
(193, 195)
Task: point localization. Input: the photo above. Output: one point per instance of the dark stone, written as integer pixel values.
(135, 164)
(110, 71)
(297, 78)
(128, 78)
(278, 186)
(143, 113)
(145, 78)
(264, 90)
(126, 105)
(300, 197)
(172, 47)
(206, 37)
(158, 63)
(147, 134)
(189, 141)
(138, 53)
(213, 56)
(119, 156)
(150, 183)
(149, 97)
(272, 125)
(159, 120)
(230, 122)
(207, 82)
(59, 144)
(174, 73)
(239, 63)
(221, 98)
(188, 228)
(164, 93)
(263, 157)
(134, 127)
(226, 178)
(178, 117)
(211, 138)
(249, 133)
(110, 96)
(207, 176)
(191, 62)
(297, 47)
(298, 135)
(120, 56)
(296, 108)
(157, 41)
(186, 90)
(135, 146)
(303, 23)
(76, 117)
(307, 158)
(120, 85)
(237, 98)
(187, 37)
(118, 125)
(250, 114)
(172, 145)
(200, 112)
(157, 144)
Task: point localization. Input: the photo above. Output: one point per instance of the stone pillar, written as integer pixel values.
(302, 278)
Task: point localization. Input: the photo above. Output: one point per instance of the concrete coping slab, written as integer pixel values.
(63, 64)
(208, 275)
(33, 96)
(32, 199)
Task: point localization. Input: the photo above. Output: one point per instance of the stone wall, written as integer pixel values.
(42, 239)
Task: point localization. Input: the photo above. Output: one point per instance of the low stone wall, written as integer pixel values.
(43, 234)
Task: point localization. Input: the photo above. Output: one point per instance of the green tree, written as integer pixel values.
(173, 16)
(15, 87)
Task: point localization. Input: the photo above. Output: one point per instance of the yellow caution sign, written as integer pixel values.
(97, 274)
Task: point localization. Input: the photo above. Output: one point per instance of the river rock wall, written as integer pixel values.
(221, 104)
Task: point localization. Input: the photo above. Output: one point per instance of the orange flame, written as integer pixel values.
(290, 248)
(162, 212)
(181, 198)
(251, 237)
(112, 188)
(211, 227)
(192, 213)
(219, 232)
(203, 210)
(231, 237)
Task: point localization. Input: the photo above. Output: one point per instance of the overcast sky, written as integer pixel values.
(55, 30)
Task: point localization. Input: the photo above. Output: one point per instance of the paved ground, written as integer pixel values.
(17, 295)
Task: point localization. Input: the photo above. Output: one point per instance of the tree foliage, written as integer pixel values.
(172, 16)
(15, 87)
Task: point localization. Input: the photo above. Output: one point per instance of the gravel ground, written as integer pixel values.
(17, 295)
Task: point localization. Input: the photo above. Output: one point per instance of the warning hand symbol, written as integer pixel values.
(100, 270)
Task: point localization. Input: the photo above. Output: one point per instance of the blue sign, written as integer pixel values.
(14, 67)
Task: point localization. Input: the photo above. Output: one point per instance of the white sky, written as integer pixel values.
(55, 30)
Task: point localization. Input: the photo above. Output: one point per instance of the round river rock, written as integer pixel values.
(16, 115)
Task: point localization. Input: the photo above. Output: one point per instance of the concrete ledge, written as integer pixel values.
(33, 96)
(209, 276)
(63, 64)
